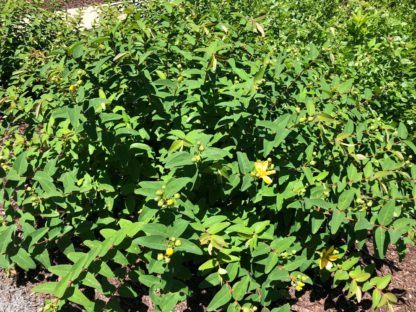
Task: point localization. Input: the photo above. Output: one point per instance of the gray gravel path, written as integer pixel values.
(15, 298)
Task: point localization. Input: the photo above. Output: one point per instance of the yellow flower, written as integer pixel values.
(262, 170)
(169, 252)
(327, 257)
(72, 88)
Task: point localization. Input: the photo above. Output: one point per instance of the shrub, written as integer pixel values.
(25, 30)
(197, 143)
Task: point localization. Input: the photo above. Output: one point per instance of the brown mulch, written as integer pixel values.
(68, 4)
(15, 291)
(403, 285)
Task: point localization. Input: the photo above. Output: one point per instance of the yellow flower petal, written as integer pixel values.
(259, 165)
(333, 258)
(267, 179)
(323, 263)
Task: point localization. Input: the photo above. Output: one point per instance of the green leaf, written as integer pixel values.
(45, 288)
(360, 276)
(279, 274)
(281, 244)
(271, 262)
(60, 269)
(46, 182)
(240, 288)
(24, 260)
(214, 154)
(178, 159)
(207, 265)
(380, 239)
(175, 185)
(74, 116)
(244, 163)
(176, 145)
(294, 264)
(222, 297)
(280, 136)
(349, 263)
(345, 86)
(79, 298)
(217, 227)
(153, 242)
(381, 282)
(341, 276)
(37, 235)
(69, 181)
(317, 219)
(376, 297)
(143, 147)
(121, 56)
(385, 215)
(283, 308)
(151, 281)
(189, 247)
(6, 237)
(362, 223)
(178, 228)
(149, 188)
(21, 164)
(338, 217)
(402, 131)
(247, 182)
(77, 50)
(391, 298)
(345, 199)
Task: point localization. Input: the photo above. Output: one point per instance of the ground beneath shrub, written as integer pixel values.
(16, 295)
(403, 285)
(15, 292)
(69, 4)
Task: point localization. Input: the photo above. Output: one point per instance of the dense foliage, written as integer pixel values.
(246, 147)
